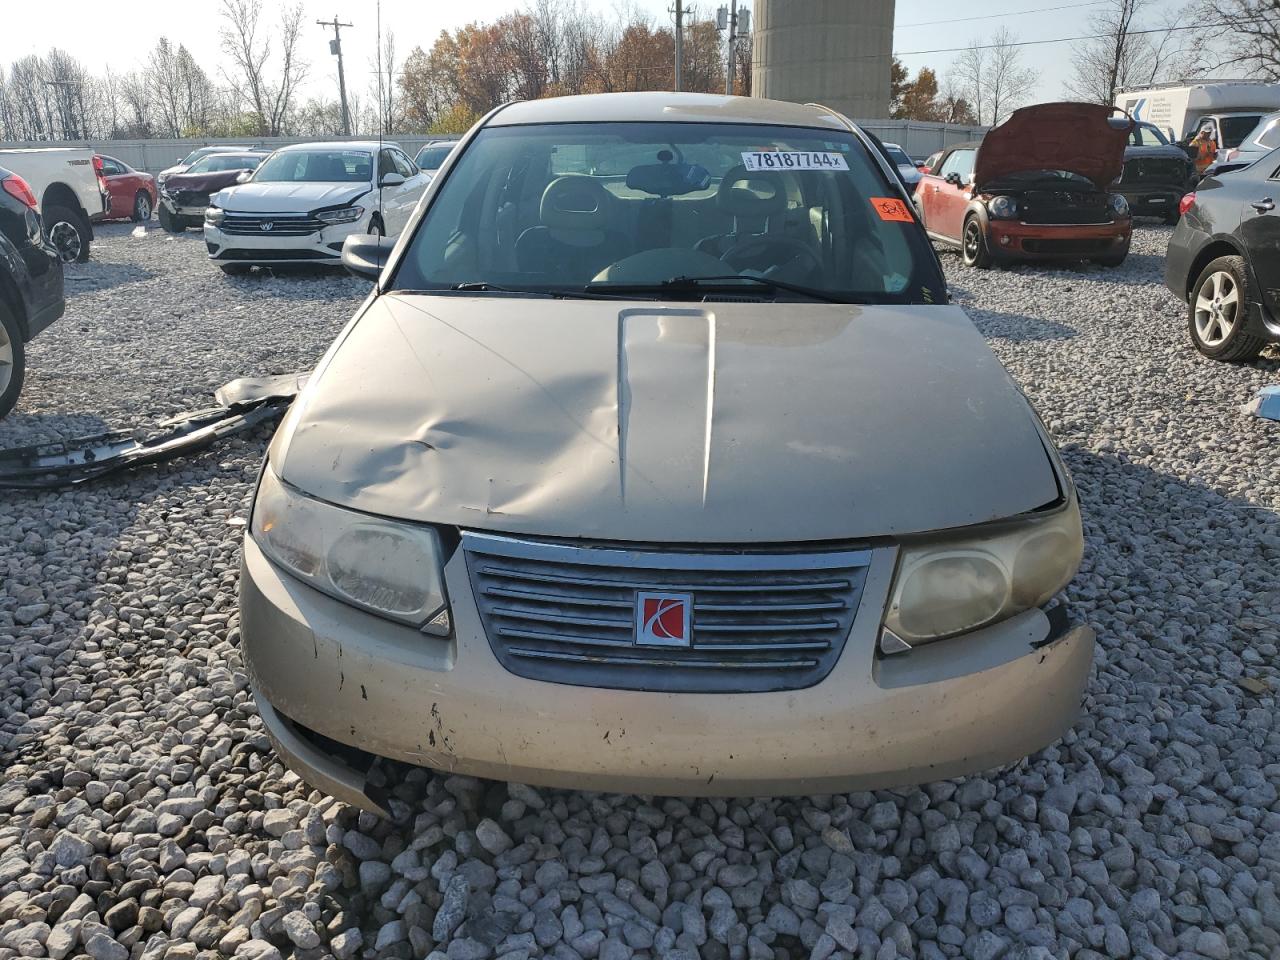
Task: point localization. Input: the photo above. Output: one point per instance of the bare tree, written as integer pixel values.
(386, 93)
(266, 90)
(1241, 34)
(991, 78)
(1127, 51)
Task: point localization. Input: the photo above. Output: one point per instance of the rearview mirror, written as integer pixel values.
(391, 180)
(365, 254)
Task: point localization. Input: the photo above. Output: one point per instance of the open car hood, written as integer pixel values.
(1080, 138)
(666, 422)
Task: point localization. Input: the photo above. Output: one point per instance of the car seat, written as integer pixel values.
(756, 200)
(574, 237)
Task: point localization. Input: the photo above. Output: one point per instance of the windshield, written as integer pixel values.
(898, 155)
(218, 162)
(316, 166)
(430, 158)
(1266, 134)
(1147, 135)
(1235, 129)
(554, 207)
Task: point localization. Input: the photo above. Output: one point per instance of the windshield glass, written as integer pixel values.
(430, 158)
(316, 166)
(555, 207)
(1235, 129)
(218, 162)
(1267, 135)
(898, 155)
(1147, 135)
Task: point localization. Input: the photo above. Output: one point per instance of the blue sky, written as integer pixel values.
(100, 36)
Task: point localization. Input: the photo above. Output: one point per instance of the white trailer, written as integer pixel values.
(1231, 108)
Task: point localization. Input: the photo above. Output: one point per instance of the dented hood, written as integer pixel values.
(202, 182)
(706, 423)
(1080, 138)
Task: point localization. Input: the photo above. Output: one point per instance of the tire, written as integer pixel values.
(141, 207)
(1216, 312)
(68, 231)
(234, 269)
(973, 245)
(12, 360)
(169, 222)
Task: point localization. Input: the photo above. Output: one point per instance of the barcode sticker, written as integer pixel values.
(794, 160)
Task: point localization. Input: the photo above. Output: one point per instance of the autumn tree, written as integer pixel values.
(918, 99)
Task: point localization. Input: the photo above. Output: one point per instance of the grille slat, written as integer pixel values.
(759, 621)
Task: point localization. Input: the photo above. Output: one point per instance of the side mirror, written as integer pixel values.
(954, 179)
(365, 254)
(391, 180)
(243, 176)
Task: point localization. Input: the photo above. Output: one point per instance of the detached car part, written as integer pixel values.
(242, 405)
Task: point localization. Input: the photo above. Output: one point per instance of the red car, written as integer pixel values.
(132, 193)
(1038, 187)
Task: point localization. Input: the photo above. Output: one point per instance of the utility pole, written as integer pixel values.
(679, 44)
(733, 31)
(335, 49)
(728, 18)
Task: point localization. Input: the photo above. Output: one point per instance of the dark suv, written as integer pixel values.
(30, 283)
(1156, 174)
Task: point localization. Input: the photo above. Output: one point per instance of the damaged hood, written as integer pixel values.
(254, 197)
(202, 182)
(709, 423)
(1082, 138)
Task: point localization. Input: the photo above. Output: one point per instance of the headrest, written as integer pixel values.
(751, 193)
(574, 202)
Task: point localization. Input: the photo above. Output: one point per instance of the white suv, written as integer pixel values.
(303, 201)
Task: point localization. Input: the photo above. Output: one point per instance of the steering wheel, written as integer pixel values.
(746, 255)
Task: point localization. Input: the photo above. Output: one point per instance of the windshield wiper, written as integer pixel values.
(724, 283)
(483, 286)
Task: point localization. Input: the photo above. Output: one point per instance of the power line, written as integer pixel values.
(998, 16)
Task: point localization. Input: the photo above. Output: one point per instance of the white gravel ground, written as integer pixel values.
(142, 814)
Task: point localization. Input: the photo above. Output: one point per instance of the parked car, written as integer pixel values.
(30, 282)
(303, 201)
(185, 162)
(131, 194)
(930, 162)
(185, 196)
(1260, 141)
(906, 166)
(1038, 187)
(1156, 174)
(1224, 261)
(433, 155)
(656, 461)
(70, 192)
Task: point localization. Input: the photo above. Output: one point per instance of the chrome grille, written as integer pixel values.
(282, 224)
(760, 621)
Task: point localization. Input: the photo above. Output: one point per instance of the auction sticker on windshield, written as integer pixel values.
(793, 160)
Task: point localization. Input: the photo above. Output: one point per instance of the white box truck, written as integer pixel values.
(1230, 107)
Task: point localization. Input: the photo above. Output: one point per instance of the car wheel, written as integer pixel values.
(973, 245)
(68, 232)
(169, 222)
(12, 360)
(1217, 310)
(141, 207)
(234, 269)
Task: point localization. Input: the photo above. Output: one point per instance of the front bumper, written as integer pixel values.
(1038, 241)
(321, 246)
(1153, 201)
(320, 667)
(190, 212)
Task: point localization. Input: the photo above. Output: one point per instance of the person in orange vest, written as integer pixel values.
(1206, 148)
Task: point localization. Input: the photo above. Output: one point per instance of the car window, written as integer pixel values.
(220, 162)
(1235, 129)
(557, 206)
(431, 158)
(111, 168)
(898, 155)
(1147, 135)
(386, 164)
(316, 166)
(1270, 135)
(404, 166)
(958, 161)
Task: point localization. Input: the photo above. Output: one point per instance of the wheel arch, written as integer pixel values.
(1220, 246)
(60, 195)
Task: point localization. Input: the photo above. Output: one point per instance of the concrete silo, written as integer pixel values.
(834, 52)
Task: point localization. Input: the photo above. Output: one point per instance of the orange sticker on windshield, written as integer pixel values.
(891, 209)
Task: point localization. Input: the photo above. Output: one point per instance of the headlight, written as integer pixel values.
(1120, 205)
(386, 567)
(213, 216)
(345, 215)
(1002, 208)
(950, 587)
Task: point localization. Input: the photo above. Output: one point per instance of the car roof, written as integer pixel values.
(370, 145)
(663, 107)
